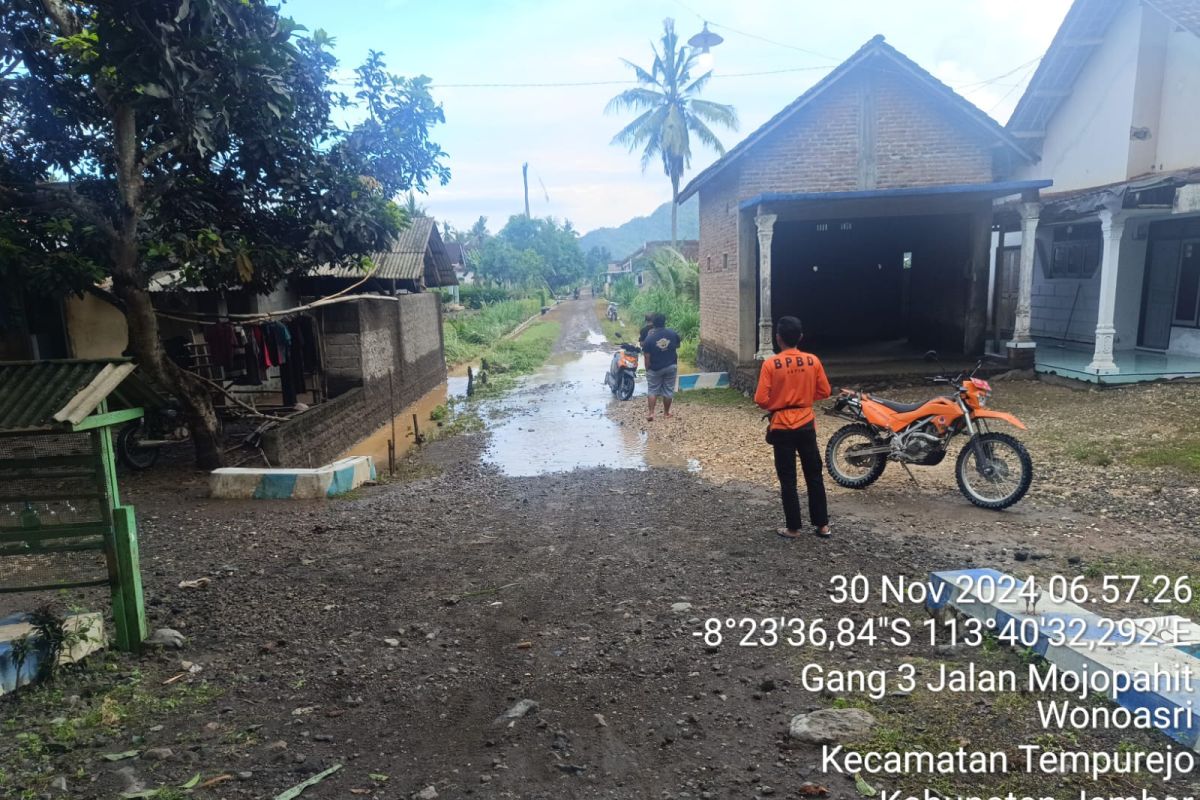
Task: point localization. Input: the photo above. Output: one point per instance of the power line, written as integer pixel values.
(627, 82)
(989, 81)
(749, 35)
(1024, 79)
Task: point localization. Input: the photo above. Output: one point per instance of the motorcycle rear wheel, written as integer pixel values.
(853, 472)
(1004, 476)
(626, 391)
(129, 449)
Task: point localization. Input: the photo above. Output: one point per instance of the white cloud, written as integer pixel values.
(564, 134)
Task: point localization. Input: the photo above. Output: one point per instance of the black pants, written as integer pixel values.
(788, 444)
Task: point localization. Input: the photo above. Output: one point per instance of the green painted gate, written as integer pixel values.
(62, 524)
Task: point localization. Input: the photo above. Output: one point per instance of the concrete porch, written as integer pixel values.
(1074, 360)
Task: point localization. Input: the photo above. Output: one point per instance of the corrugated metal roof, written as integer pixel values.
(418, 251)
(1185, 13)
(1081, 32)
(54, 395)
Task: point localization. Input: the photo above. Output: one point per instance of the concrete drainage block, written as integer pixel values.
(239, 483)
(703, 380)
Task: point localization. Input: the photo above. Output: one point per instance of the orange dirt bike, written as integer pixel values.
(993, 469)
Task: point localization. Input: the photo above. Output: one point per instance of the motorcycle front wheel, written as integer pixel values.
(994, 470)
(130, 450)
(626, 391)
(845, 465)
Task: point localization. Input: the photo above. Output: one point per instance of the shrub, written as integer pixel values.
(623, 291)
(476, 296)
(682, 313)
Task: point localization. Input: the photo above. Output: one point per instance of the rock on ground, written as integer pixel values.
(832, 725)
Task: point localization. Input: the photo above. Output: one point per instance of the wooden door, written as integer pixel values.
(1158, 294)
(1008, 283)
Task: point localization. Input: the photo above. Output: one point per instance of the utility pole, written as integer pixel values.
(525, 179)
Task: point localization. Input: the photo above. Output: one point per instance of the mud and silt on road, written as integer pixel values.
(390, 633)
(558, 419)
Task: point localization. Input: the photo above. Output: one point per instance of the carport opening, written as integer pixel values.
(882, 283)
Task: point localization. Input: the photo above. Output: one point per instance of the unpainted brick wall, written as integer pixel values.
(918, 141)
(364, 342)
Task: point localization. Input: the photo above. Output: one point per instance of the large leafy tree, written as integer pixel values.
(199, 136)
(532, 252)
(670, 112)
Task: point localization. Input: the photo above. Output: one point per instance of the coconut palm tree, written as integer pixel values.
(412, 208)
(671, 112)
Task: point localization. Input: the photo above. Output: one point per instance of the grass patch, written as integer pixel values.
(1148, 588)
(1097, 454)
(1181, 454)
(624, 329)
(503, 364)
(42, 732)
(714, 397)
(527, 352)
(469, 334)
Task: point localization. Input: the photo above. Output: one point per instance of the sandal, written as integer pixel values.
(784, 533)
(824, 534)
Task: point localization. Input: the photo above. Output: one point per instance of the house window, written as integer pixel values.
(846, 226)
(639, 279)
(1187, 295)
(1075, 252)
(822, 226)
(908, 260)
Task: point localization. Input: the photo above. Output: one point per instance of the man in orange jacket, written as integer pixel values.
(788, 385)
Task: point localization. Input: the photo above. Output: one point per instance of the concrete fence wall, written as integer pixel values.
(364, 342)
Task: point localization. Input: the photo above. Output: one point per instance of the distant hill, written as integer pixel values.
(624, 239)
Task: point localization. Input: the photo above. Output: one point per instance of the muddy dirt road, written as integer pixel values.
(389, 633)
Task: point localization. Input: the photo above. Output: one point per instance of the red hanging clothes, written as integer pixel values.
(263, 350)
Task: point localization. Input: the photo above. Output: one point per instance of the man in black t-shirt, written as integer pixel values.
(645, 328)
(661, 347)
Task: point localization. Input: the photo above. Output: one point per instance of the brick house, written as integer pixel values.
(864, 207)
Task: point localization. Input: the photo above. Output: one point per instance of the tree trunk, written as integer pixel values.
(139, 312)
(675, 212)
(197, 404)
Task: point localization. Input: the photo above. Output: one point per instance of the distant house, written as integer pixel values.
(459, 255)
(637, 264)
(864, 207)
(1108, 288)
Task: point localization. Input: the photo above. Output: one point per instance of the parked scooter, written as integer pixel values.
(612, 312)
(623, 370)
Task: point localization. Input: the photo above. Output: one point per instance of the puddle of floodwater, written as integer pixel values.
(556, 421)
(553, 421)
(376, 445)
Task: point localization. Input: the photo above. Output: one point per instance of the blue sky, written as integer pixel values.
(985, 48)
